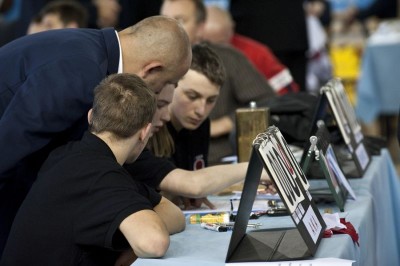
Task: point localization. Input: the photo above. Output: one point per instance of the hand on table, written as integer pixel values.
(189, 204)
(269, 187)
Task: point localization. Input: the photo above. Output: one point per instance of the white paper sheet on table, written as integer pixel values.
(314, 262)
(336, 168)
(225, 206)
(259, 196)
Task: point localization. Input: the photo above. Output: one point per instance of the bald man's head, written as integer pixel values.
(162, 35)
(157, 49)
(219, 27)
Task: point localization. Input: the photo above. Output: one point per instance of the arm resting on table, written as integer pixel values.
(146, 233)
(203, 182)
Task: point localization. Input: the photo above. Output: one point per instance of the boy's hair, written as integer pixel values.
(207, 62)
(123, 104)
(69, 11)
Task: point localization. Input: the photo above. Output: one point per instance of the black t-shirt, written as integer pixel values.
(191, 146)
(191, 151)
(72, 213)
(150, 169)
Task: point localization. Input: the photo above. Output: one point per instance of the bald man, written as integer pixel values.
(220, 28)
(46, 90)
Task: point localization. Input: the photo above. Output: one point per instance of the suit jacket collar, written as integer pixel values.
(112, 46)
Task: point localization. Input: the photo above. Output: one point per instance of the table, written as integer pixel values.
(375, 215)
(378, 89)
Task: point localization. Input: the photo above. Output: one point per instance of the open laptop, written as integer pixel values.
(271, 152)
(349, 143)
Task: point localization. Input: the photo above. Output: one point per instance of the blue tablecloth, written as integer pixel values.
(375, 215)
(378, 88)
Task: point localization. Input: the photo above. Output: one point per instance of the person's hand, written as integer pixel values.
(189, 204)
(267, 183)
(269, 187)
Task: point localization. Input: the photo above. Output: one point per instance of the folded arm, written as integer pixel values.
(148, 231)
(171, 215)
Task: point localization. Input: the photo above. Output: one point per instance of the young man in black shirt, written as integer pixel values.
(84, 208)
(243, 82)
(180, 150)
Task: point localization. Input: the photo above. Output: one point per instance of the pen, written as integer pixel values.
(231, 224)
(277, 211)
(214, 227)
(232, 217)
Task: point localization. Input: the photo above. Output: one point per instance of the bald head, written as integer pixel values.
(159, 37)
(219, 27)
(156, 46)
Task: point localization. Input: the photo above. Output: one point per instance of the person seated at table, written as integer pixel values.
(243, 84)
(178, 162)
(84, 208)
(59, 14)
(219, 28)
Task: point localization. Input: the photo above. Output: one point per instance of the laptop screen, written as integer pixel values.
(270, 151)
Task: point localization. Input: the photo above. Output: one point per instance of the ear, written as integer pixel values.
(89, 116)
(150, 68)
(145, 133)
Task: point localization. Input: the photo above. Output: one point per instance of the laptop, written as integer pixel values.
(348, 141)
(270, 151)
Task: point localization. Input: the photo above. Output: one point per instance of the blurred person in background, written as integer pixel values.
(279, 24)
(60, 14)
(219, 28)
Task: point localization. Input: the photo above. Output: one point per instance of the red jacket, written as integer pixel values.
(264, 60)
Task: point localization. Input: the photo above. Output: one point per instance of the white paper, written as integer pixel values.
(338, 172)
(312, 224)
(362, 156)
(260, 195)
(225, 206)
(314, 262)
(332, 221)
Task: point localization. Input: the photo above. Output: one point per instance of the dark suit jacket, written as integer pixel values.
(46, 88)
(280, 24)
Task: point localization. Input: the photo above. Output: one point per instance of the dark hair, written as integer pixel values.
(207, 62)
(69, 11)
(123, 104)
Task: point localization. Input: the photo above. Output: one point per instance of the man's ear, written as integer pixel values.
(89, 116)
(150, 68)
(145, 132)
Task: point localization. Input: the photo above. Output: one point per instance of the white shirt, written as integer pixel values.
(120, 55)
